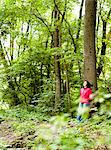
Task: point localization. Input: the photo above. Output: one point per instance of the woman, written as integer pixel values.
(85, 99)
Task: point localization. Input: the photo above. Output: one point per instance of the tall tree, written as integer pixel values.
(56, 37)
(89, 42)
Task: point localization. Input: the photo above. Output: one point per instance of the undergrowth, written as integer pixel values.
(58, 132)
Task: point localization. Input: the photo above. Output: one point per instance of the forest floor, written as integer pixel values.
(22, 130)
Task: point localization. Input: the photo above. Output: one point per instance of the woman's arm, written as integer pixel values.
(93, 95)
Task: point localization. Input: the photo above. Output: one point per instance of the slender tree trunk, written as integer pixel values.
(11, 48)
(58, 82)
(8, 77)
(26, 36)
(103, 48)
(67, 87)
(89, 43)
(56, 61)
(97, 29)
(79, 24)
(41, 77)
(78, 34)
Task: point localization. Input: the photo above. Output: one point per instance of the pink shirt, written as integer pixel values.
(84, 95)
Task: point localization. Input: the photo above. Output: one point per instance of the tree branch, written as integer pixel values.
(40, 18)
(63, 15)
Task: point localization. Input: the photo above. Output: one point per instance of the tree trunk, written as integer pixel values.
(79, 24)
(57, 82)
(67, 87)
(103, 48)
(8, 77)
(89, 43)
(56, 61)
(41, 77)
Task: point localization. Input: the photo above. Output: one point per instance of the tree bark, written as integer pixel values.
(89, 43)
(56, 61)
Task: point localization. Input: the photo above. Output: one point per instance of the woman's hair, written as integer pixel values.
(88, 84)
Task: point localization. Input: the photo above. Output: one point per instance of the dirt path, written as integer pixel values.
(9, 137)
(11, 141)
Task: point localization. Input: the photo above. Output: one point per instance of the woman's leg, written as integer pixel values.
(86, 110)
(80, 111)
